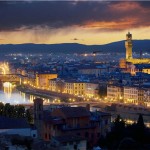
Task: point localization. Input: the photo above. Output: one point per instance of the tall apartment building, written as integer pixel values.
(42, 79)
(74, 87)
(115, 93)
(147, 97)
(129, 94)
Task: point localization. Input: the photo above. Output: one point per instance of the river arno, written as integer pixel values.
(9, 94)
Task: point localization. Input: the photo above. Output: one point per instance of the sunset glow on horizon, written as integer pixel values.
(87, 22)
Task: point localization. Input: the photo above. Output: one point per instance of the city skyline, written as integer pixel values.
(82, 22)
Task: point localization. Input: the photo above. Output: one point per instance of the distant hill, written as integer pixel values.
(116, 47)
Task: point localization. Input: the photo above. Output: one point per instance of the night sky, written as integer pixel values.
(84, 22)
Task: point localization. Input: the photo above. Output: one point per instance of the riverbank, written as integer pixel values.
(57, 97)
(128, 112)
(34, 92)
(63, 97)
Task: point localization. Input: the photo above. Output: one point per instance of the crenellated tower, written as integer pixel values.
(128, 46)
(123, 63)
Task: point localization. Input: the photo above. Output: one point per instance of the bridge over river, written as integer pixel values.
(5, 75)
(9, 78)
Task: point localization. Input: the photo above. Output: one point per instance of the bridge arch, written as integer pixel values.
(4, 68)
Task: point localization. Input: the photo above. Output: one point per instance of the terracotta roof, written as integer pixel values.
(53, 120)
(70, 112)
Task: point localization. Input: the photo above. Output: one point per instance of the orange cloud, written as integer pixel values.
(60, 22)
(125, 6)
(120, 25)
(124, 15)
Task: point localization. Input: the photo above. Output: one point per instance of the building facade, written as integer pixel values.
(114, 93)
(131, 94)
(71, 121)
(74, 87)
(42, 79)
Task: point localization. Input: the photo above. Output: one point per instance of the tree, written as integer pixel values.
(128, 144)
(140, 129)
(29, 116)
(1, 108)
(7, 110)
(140, 122)
(135, 136)
(15, 114)
(20, 111)
(11, 111)
(26, 142)
(117, 133)
(119, 124)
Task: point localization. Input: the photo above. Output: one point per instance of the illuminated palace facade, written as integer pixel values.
(129, 58)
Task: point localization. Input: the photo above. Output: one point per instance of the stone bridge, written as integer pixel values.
(5, 75)
(9, 78)
(4, 68)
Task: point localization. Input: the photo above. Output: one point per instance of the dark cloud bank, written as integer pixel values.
(19, 15)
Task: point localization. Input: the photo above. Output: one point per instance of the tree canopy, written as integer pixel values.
(15, 111)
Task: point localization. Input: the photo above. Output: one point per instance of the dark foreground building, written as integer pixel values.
(70, 121)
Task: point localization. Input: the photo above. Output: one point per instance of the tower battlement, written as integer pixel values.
(129, 57)
(128, 46)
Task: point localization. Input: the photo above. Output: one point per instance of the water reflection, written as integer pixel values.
(7, 89)
(9, 94)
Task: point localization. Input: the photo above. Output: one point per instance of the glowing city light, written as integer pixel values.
(7, 84)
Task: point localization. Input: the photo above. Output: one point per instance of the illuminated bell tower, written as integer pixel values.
(128, 45)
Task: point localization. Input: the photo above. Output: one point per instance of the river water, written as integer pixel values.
(12, 96)
(9, 94)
